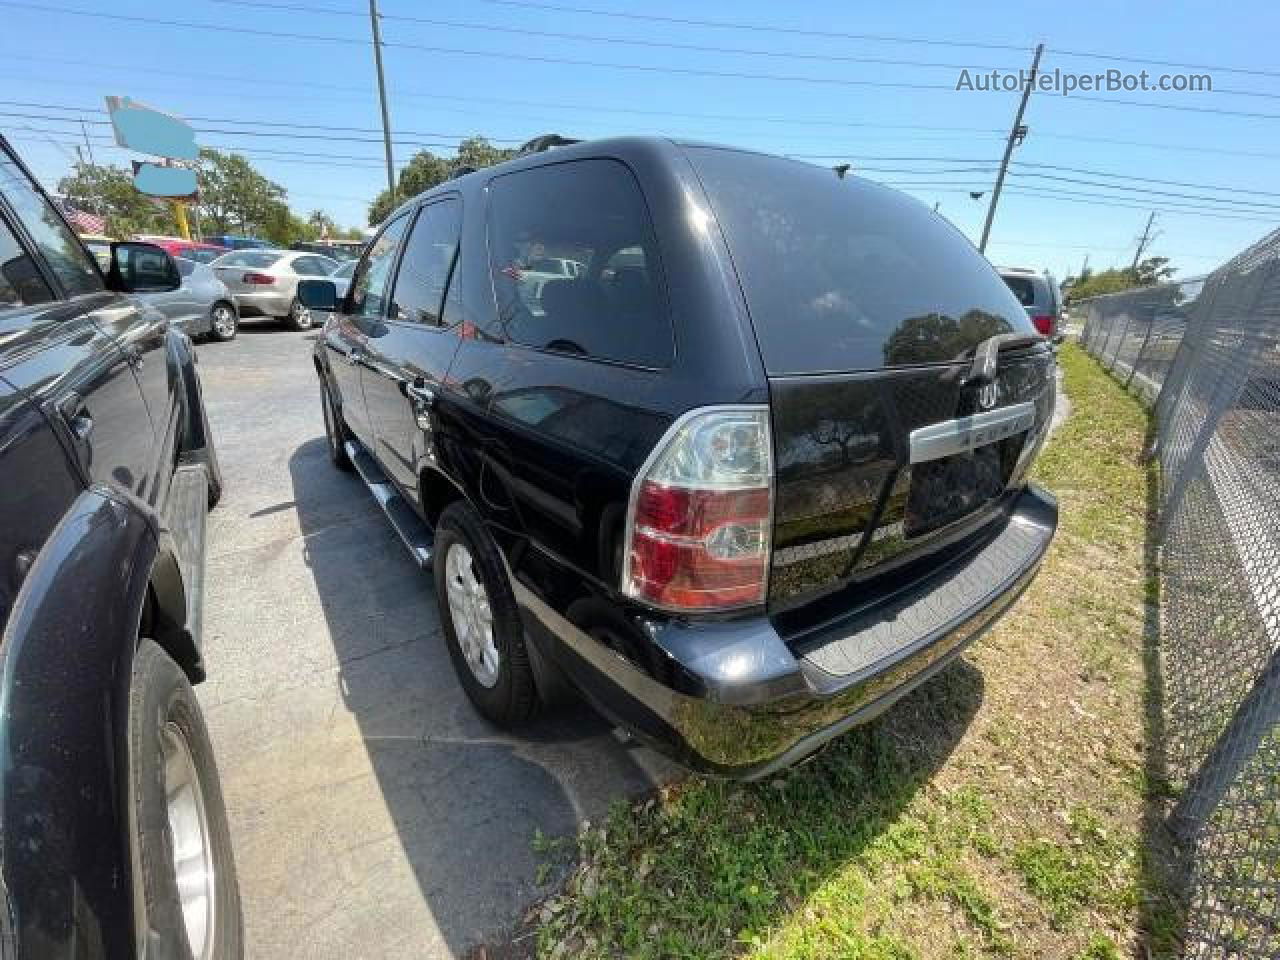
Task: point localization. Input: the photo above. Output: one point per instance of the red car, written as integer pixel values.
(190, 249)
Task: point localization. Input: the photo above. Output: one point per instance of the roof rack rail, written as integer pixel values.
(548, 141)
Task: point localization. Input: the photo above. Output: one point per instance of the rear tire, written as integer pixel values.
(492, 665)
(225, 321)
(300, 318)
(181, 818)
(335, 432)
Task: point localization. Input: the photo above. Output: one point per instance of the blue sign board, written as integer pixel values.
(148, 130)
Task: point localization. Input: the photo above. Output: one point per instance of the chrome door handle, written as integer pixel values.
(77, 416)
(420, 393)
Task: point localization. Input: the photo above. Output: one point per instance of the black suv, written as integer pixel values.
(113, 835)
(746, 466)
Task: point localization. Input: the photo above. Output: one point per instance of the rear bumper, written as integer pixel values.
(271, 304)
(738, 699)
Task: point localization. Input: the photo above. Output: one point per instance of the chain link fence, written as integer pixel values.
(1206, 355)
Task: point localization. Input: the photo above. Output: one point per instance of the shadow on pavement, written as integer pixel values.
(465, 798)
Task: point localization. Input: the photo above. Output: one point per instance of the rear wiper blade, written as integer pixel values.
(986, 356)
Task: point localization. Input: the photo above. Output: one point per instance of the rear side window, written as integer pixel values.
(185, 267)
(1023, 288)
(313, 266)
(843, 274)
(20, 281)
(370, 287)
(576, 218)
(61, 249)
(427, 263)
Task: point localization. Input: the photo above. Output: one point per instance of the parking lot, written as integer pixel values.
(373, 813)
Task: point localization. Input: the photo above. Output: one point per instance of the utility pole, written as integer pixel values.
(1142, 244)
(87, 145)
(382, 95)
(1015, 135)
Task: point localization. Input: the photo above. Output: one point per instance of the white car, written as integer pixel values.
(265, 282)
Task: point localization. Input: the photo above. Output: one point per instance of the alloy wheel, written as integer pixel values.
(224, 320)
(300, 315)
(192, 847)
(472, 615)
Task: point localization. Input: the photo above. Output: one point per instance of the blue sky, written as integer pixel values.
(822, 99)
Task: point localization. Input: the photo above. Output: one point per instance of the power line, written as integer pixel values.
(757, 27)
(1126, 176)
(1181, 107)
(1090, 55)
(628, 41)
(1148, 190)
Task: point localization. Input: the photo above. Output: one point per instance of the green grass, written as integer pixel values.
(996, 811)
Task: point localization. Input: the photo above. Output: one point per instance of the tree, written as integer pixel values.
(424, 170)
(236, 198)
(1149, 272)
(109, 191)
(322, 224)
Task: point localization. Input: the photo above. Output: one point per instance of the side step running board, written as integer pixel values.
(186, 513)
(417, 536)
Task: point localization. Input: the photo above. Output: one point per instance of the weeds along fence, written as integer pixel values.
(1206, 355)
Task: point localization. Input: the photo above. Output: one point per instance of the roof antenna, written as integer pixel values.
(842, 169)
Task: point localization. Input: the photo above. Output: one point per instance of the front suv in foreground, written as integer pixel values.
(750, 473)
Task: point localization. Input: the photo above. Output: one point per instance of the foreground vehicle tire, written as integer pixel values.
(188, 873)
(300, 317)
(335, 433)
(225, 322)
(481, 622)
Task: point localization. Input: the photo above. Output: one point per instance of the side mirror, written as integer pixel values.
(142, 268)
(318, 294)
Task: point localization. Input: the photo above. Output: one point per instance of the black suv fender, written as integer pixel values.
(64, 782)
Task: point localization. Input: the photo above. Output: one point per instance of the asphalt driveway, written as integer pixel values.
(373, 813)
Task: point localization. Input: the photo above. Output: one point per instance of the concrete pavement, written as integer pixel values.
(373, 813)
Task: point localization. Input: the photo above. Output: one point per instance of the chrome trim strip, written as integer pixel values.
(950, 437)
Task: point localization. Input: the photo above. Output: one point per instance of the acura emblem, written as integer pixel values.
(987, 396)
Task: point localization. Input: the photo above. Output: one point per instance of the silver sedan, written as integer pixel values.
(202, 306)
(265, 282)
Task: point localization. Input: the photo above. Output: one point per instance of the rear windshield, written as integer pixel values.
(1023, 288)
(843, 274)
(249, 259)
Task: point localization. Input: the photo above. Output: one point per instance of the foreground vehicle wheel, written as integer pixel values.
(225, 322)
(188, 874)
(481, 623)
(299, 316)
(335, 433)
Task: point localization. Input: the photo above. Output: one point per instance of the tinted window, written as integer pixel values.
(201, 255)
(373, 276)
(428, 260)
(843, 274)
(61, 248)
(584, 211)
(249, 258)
(1022, 288)
(313, 266)
(20, 280)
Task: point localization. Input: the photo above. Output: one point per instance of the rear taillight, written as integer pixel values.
(261, 279)
(702, 512)
(1044, 323)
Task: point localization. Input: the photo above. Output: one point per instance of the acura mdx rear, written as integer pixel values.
(801, 563)
(753, 471)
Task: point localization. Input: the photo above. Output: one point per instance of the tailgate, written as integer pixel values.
(876, 467)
